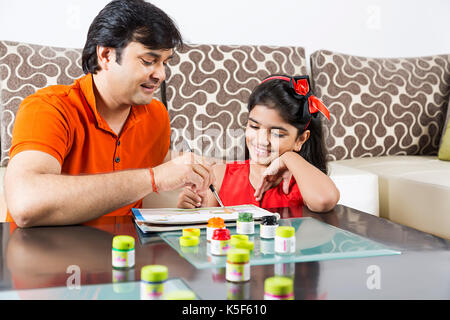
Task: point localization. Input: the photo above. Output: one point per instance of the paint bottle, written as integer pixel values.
(153, 278)
(285, 240)
(213, 224)
(123, 252)
(245, 223)
(193, 232)
(241, 241)
(189, 244)
(268, 227)
(220, 242)
(278, 288)
(243, 244)
(235, 238)
(238, 265)
(188, 241)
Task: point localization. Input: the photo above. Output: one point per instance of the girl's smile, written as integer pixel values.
(268, 136)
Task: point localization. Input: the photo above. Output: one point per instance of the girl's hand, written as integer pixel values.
(275, 173)
(189, 199)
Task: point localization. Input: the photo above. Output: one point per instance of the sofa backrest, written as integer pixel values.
(207, 91)
(378, 106)
(388, 106)
(207, 88)
(25, 68)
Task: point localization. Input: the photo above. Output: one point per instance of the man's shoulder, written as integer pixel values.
(52, 94)
(156, 104)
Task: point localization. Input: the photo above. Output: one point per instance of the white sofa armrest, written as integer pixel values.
(358, 188)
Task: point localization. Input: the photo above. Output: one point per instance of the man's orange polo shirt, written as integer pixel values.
(63, 121)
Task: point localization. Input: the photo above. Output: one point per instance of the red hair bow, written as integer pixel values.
(301, 87)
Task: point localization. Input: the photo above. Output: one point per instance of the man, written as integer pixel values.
(100, 145)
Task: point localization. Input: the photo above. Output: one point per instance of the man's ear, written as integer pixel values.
(105, 55)
(301, 139)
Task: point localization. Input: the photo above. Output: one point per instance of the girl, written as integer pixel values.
(285, 145)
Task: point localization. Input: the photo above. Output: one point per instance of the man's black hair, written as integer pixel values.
(123, 21)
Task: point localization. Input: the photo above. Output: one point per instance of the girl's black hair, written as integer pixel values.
(123, 21)
(277, 94)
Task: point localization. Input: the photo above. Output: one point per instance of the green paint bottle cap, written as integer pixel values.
(244, 244)
(154, 273)
(123, 243)
(279, 286)
(285, 232)
(245, 217)
(191, 232)
(238, 255)
(235, 238)
(180, 295)
(189, 241)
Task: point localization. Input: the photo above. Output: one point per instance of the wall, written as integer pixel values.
(377, 28)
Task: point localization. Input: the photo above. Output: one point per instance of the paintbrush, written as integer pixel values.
(211, 187)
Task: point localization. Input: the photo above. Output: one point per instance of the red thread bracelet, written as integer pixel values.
(153, 180)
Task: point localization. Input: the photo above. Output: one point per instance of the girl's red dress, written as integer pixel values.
(236, 189)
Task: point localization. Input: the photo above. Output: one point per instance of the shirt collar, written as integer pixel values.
(87, 88)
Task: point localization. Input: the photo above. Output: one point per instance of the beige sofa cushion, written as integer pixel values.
(358, 188)
(413, 190)
(380, 107)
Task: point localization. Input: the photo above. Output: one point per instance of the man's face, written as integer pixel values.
(138, 74)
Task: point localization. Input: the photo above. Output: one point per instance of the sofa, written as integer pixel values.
(387, 117)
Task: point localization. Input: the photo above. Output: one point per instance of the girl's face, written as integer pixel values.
(268, 136)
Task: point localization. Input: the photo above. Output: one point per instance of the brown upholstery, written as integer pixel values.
(207, 88)
(25, 68)
(382, 106)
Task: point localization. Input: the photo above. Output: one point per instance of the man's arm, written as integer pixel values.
(38, 194)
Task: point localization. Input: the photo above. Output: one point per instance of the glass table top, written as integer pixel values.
(315, 241)
(121, 290)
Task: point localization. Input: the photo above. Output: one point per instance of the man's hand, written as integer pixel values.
(187, 170)
(274, 174)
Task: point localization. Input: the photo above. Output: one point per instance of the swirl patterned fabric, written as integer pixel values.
(25, 68)
(394, 106)
(207, 91)
(207, 88)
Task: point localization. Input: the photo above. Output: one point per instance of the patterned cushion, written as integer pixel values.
(379, 107)
(207, 88)
(207, 91)
(25, 68)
